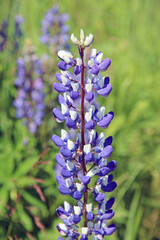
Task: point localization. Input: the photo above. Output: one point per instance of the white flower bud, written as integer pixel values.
(82, 37)
(89, 39)
(74, 40)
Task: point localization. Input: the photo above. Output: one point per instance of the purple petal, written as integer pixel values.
(59, 87)
(105, 91)
(110, 187)
(58, 141)
(100, 197)
(104, 171)
(108, 214)
(65, 172)
(61, 213)
(76, 219)
(89, 157)
(77, 195)
(108, 141)
(58, 115)
(63, 189)
(74, 95)
(70, 123)
(110, 203)
(63, 66)
(66, 152)
(106, 120)
(90, 216)
(60, 180)
(95, 69)
(58, 76)
(60, 160)
(85, 180)
(90, 125)
(110, 178)
(110, 229)
(112, 165)
(89, 96)
(77, 70)
(106, 151)
(105, 64)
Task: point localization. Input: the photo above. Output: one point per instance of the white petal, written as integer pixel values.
(91, 62)
(84, 230)
(79, 186)
(68, 182)
(75, 86)
(101, 83)
(73, 114)
(99, 57)
(64, 79)
(79, 61)
(89, 207)
(93, 171)
(63, 53)
(66, 206)
(97, 225)
(77, 210)
(87, 148)
(70, 165)
(88, 116)
(70, 144)
(82, 37)
(89, 39)
(93, 53)
(88, 87)
(64, 108)
(64, 134)
(90, 224)
(63, 226)
(97, 188)
(74, 40)
(92, 109)
(105, 180)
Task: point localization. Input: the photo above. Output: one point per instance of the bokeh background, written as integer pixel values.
(128, 33)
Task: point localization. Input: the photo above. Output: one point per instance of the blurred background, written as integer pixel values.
(128, 33)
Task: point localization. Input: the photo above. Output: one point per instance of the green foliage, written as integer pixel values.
(127, 32)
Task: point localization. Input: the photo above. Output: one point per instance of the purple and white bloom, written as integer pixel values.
(84, 153)
(29, 102)
(54, 29)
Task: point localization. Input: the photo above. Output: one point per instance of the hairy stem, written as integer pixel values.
(81, 50)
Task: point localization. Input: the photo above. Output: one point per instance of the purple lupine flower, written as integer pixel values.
(18, 31)
(29, 102)
(84, 153)
(54, 29)
(3, 35)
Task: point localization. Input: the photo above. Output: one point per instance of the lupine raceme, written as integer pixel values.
(29, 102)
(85, 171)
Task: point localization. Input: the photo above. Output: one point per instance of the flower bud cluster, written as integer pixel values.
(84, 154)
(54, 29)
(3, 35)
(29, 102)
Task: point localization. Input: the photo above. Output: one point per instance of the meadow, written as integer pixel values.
(128, 33)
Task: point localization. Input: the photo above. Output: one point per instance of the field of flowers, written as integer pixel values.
(31, 33)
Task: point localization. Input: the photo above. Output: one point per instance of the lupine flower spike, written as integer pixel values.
(83, 153)
(54, 29)
(29, 102)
